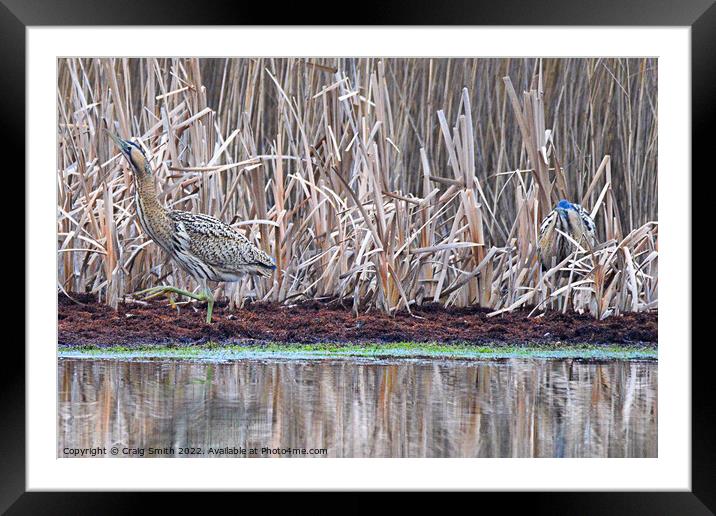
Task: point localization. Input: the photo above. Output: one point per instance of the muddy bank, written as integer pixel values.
(91, 323)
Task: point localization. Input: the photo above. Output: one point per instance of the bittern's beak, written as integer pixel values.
(562, 213)
(124, 146)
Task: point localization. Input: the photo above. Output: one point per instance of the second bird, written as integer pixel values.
(565, 219)
(205, 247)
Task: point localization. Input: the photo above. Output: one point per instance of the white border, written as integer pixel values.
(670, 471)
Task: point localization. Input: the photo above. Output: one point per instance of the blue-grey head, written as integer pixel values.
(563, 208)
(564, 205)
(134, 154)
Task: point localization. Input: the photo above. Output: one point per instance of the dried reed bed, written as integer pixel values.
(383, 182)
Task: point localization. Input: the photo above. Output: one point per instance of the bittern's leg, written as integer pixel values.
(165, 289)
(210, 301)
(206, 295)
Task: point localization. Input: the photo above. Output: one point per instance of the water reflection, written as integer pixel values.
(513, 408)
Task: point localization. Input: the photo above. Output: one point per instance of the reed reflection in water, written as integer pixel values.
(511, 408)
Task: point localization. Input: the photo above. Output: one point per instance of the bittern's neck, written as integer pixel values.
(147, 194)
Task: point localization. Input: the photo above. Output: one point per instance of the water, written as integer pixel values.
(509, 408)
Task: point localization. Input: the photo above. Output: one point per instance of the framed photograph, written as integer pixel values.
(404, 257)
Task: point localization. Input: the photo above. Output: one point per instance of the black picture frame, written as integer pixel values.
(17, 15)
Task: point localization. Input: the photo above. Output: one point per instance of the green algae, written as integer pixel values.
(402, 350)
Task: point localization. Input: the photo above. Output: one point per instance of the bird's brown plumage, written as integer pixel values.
(206, 247)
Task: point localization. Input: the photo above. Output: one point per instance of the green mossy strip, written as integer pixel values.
(416, 350)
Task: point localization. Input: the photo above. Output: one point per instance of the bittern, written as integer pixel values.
(565, 219)
(204, 246)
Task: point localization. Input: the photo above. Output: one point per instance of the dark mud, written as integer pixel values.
(91, 323)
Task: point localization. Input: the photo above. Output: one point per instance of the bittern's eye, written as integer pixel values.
(136, 146)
